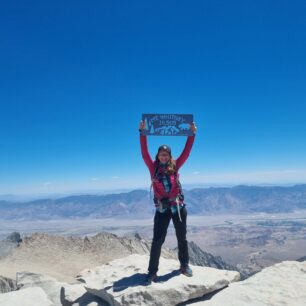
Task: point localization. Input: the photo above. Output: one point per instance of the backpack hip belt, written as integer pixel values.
(165, 203)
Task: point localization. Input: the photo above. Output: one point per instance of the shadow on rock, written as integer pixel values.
(139, 279)
(166, 277)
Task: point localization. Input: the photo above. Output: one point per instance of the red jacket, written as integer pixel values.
(179, 163)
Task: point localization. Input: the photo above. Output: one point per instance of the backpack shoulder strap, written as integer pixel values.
(155, 170)
(176, 174)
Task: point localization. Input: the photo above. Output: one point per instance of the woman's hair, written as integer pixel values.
(171, 165)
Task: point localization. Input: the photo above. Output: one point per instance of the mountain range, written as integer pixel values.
(138, 203)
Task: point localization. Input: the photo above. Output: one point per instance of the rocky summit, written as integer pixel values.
(281, 284)
(109, 270)
(120, 282)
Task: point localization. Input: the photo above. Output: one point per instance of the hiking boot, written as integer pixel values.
(151, 277)
(186, 270)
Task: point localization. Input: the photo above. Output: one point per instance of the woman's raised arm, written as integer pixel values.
(187, 149)
(144, 150)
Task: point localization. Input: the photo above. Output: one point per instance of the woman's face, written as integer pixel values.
(163, 156)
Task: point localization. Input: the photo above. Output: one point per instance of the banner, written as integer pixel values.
(167, 124)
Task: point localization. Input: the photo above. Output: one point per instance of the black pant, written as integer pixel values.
(161, 223)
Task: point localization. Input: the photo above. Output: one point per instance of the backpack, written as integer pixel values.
(180, 194)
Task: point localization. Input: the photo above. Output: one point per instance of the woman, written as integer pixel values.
(169, 201)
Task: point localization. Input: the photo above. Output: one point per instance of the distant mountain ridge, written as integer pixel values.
(137, 203)
(60, 255)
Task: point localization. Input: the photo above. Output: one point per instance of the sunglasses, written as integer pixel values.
(163, 154)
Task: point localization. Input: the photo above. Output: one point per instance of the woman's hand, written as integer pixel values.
(193, 127)
(141, 125)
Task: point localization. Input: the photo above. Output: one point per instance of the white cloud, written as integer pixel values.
(47, 183)
(94, 179)
(115, 177)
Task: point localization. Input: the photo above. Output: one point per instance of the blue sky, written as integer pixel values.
(75, 78)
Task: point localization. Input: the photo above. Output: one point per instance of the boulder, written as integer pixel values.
(121, 282)
(58, 292)
(281, 284)
(33, 296)
(48, 284)
(14, 237)
(9, 244)
(73, 292)
(7, 284)
(77, 295)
